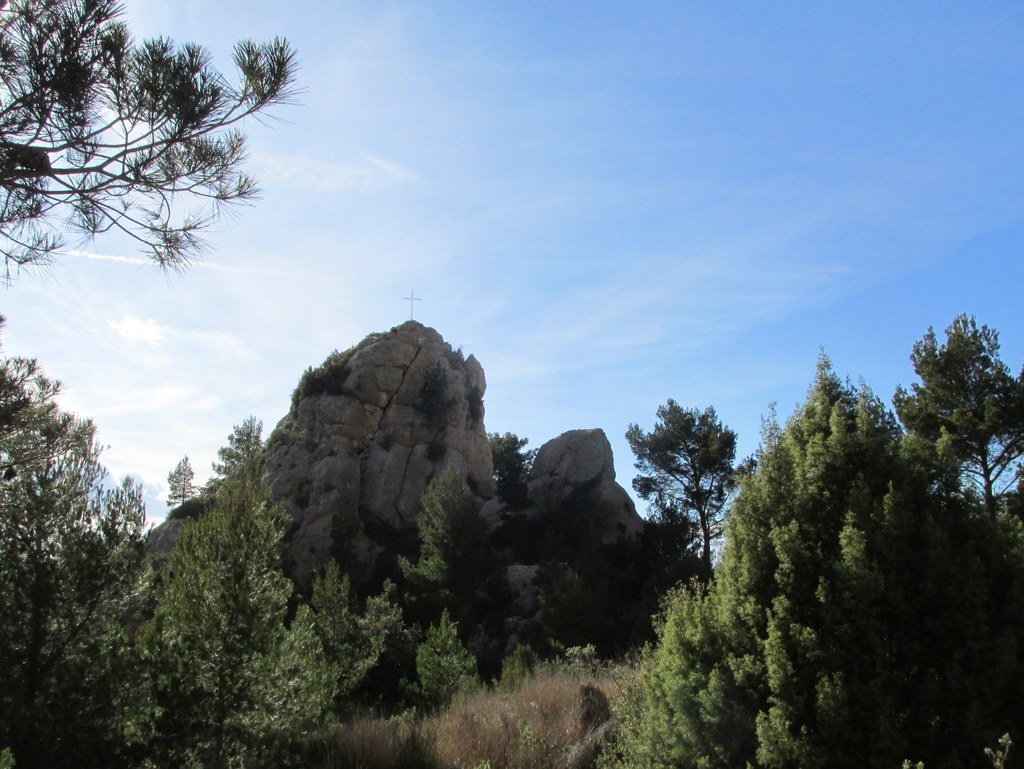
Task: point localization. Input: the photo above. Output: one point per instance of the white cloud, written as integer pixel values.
(140, 261)
(120, 403)
(309, 174)
(139, 329)
(79, 254)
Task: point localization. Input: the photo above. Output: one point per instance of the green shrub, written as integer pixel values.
(326, 379)
(193, 508)
(281, 435)
(432, 400)
(443, 664)
(512, 464)
(517, 667)
(476, 404)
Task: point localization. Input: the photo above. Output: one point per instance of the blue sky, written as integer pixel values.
(609, 204)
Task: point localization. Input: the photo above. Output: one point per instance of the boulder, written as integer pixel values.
(577, 469)
(161, 538)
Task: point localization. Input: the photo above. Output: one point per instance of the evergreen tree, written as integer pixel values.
(686, 466)
(244, 450)
(450, 565)
(860, 615)
(969, 405)
(99, 133)
(227, 674)
(511, 467)
(180, 484)
(443, 664)
(69, 558)
(672, 551)
(355, 639)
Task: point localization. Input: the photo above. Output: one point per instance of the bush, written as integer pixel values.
(326, 379)
(476, 404)
(443, 664)
(517, 667)
(193, 508)
(432, 400)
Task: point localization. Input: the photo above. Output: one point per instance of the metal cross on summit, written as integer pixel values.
(410, 299)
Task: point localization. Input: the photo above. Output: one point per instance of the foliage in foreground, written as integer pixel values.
(69, 556)
(866, 610)
(226, 673)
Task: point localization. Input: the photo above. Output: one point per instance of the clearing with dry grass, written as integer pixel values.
(556, 718)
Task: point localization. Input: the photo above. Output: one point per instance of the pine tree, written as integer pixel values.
(511, 467)
(100, 133)
(860, 615)
(180, 484)
(970, 406)
(443, 664)
(355, 639)
(227, 674)
(686, 469)
(244, 450)
(69, 557)
(451, 559)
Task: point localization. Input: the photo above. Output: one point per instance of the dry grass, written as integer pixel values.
(547, 722)
(554, 719)
(376, 743)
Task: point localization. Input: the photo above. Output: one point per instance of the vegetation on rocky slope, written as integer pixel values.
(866, 609)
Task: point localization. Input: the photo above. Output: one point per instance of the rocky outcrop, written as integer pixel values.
(162, 538)
(371, 426)
(577, 469)
(575, 505)
(366, 433)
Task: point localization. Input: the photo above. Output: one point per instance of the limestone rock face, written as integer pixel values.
(366, 433)
(577, 469)
(162, 538)
(372, 426)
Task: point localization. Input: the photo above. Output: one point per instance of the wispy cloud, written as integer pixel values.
(79, 254)
(139, 329)
(309, 174)
(140, 261)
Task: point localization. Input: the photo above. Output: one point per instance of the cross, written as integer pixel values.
(410, 299)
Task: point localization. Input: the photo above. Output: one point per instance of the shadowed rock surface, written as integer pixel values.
(577, 468)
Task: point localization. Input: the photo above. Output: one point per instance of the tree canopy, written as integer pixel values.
(69, 557)
(969, 405)
(452, 538)
(225, 670)
(861, 615)
(686, 468)
(512, 465)
(244, 450)
(100, 133)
